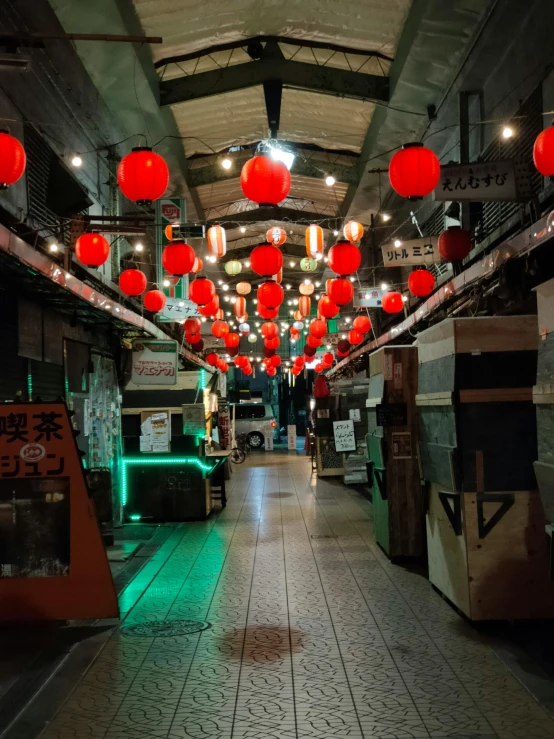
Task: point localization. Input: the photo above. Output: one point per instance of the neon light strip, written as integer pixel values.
(126, 461)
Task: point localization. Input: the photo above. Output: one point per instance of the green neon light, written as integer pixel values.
(135, 517)
(126, 461)
(30, 386)
(203, 382)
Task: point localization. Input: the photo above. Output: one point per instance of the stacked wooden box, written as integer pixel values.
(398, 506)
(329, 463)
(485, 525)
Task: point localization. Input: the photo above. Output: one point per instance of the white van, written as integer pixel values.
(256, 420)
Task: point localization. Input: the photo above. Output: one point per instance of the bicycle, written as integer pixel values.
(239, 451)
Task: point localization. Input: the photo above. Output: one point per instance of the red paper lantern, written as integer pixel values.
(314, 240)
(192, 338)
(92, 249)
(275, 361)
(212, 359)
(197, 266)
(132, 282)
(327, 308)
(211, 308)
(414, 171)
(220, 329)
(193, 325)
(178, 258)
(154, 301)
(240, 307)
(241, 361)
(243, 288)
(305, 305)
(328, 358)
(217, 241)
(12, 160)
(247, 370)
(319, 367)
(313, 341)
(201, 291)
(268, 352)
(265, 180)
(343, 346)
(354, 337)
(299, 361)
(298, 316)
(223, 366)
(340, 291)
(392, 302)
(198, 347)
(231, 340)
(318, 328)
(271, 294)
(272, 343)
(421, 283)
(143, 176)
(309, 351)
(232, 351)
(266, 260)
(362, 324)
(543, 152)
(220, 315)
(344, 258)
(276, 236)
(267, 313)
(321, 387)
(269, 330)
(271, 371)
(454, 244)
(353, 231)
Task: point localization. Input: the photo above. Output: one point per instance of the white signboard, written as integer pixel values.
(154, 362)
(355, 414)
(416, 251)
(160, 432)
(177, 310)
(269, 442)
(345, 438)
(291, 438)
(478, 181)
(368, 297)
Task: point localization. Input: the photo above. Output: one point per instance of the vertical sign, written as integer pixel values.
(291, 437)
(168, 211)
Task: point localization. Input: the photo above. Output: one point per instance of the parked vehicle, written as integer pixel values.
(256, 420)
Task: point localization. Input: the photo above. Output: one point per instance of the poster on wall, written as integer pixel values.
(154, 362)
(345, 436)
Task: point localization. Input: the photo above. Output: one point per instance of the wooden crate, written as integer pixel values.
(487, 553)
(397, 494)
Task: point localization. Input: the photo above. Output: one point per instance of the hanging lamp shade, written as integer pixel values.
(232, 351)
(241, 361)
(304, 305)
(326, 308)
(244, 288)
(269, 330)
(270, 294)
(217, 241)
(308, 264)
(341, 354)
(264, 180)
(266, 260)
(211, 308)
(392, 302)
(543, 152)
(132, 282)
(252, 339)
(223, 366)
(313, 341)
(421, 283)
(192, 338)
(343, 346)
(240, 306)
(414, 171)
(233, 267)
(12, 160)
(92, 249)
(454, 244)
(178, 258)
(231, 340)
(193, 325)
(362, 324)
(299, 361)
(340, 291)
(306, 288)
(220, 329)
(197, 266)
(328, 358)
(354, 337)
(272, 343)
(154, 301)
(314, 240)
(201, 291)
(318, 328)
(248, 370)
(276, 236)
(344, 258)
(268, 313)
(143, 175)
(353, 231)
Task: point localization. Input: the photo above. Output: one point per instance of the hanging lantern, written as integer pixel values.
(319, 367)
(305, 305)
(197, 266)
(318, 328)
(268, 313)
(362, 324)
(342, 354)
(243, 318)
(201, 291)
(266, 260)
(232, 351)
(223, 366)
(344, 258)
(276, 236)
(272, 343)
(220, 329)
(271, 371)
(421, 283)
(270, 294)
(353, 231)
(233, 267)
(132, 282)
(240, 306)
(173, 231)
(12, 160)
(231, 340)
(193, 325)
(154, 301)
(298, 325)
(309, 351)
(92, 249)
(220, 315)
(143, 175)
(308, 264)
(414, 171)
(298, 315)
(279, 276)
(211, 308)
(217, 241)
(248, 370)
(264, 180)
(321, 387)
(244, 328)
(241, 361)
(275, 361)
(313, 341)
(243, 288)
(299, 361)
(314, 240)
(268, 352)
(328, 358)
(212, 359)
(340, 291)
(306, 288)
(326, 307)
(252, 339)
(454, 244)
(343, 346)
(269, 330)
(543, 152)
(178, 258)
(192, 338)
(392, 302)
(354, 337)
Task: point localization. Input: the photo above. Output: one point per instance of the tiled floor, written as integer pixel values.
(314, 634)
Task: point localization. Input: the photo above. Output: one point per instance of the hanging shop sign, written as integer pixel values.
(416, 251)
(368, 297)
(482, 181)
(345, 436)
(177, 310)
(154, 363)
(169, 211)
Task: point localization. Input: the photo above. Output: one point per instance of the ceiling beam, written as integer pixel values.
(279, 215)
(313, 77)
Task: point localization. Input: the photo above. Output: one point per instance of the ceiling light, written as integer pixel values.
(247, 264)
(343, 336)
(397, 243)
(328, 346)
(287, 157)
(318, 257)
(203, 319)
(507, 132)
(257, 324)
(330, 180)
(233, 300)
(139, 247)
(76, 161)
(291, 312)
(335, 233)
(225, 287)
(53, 247)
(307, 281)
(167, 283)
(317, 284)
(385, 217)
(242, 230)
(212, 258)
(226, 163)
(220, 282)
(182, 304)
(384, 286)
(228, 313)
(226, 298)
(317, 297)
(352, 279)
(325, 259)
(292, 264)
(348, 320)
(288, 287)
(404, 298)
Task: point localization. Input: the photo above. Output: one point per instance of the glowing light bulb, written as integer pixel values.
(384, 286)
(330, 180)
(385, 217)
(397, 243)
(76, 161)
(226, 163)
(507, 132)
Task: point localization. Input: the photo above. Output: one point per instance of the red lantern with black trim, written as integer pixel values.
(354, 337)
(12, 159)
(132, 282)
(421, 283)
(192, 338)
(92, 249)
(543, 153)
(220, 329)
(267, 313)
(211, 308)
(154, 301)
(270, 294)
(454, 244)
(143, 175)
(231, 340)
(178, 258)
(193, 325)
(344, 258)
(269, 330)
(414, 171)
(392, 302)
(266, 260)
(318, 328)
(201, 291)
(264, 180)
(362, 324)
(327, 308)
(343, 347)
(272, 343)
(313, 341)
(340, 291)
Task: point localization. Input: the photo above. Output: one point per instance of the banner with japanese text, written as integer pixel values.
(154, 362)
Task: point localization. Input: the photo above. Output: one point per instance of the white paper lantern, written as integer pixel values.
(252, 338)
(244, 328)
(298, 325)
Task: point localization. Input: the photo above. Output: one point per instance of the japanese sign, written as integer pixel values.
(177, 310)
(368, 297)
(291, 437)
(416, 251)
(401, 445)
(345, 437)
(479, 181)
(154, 363)
(355, 414)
